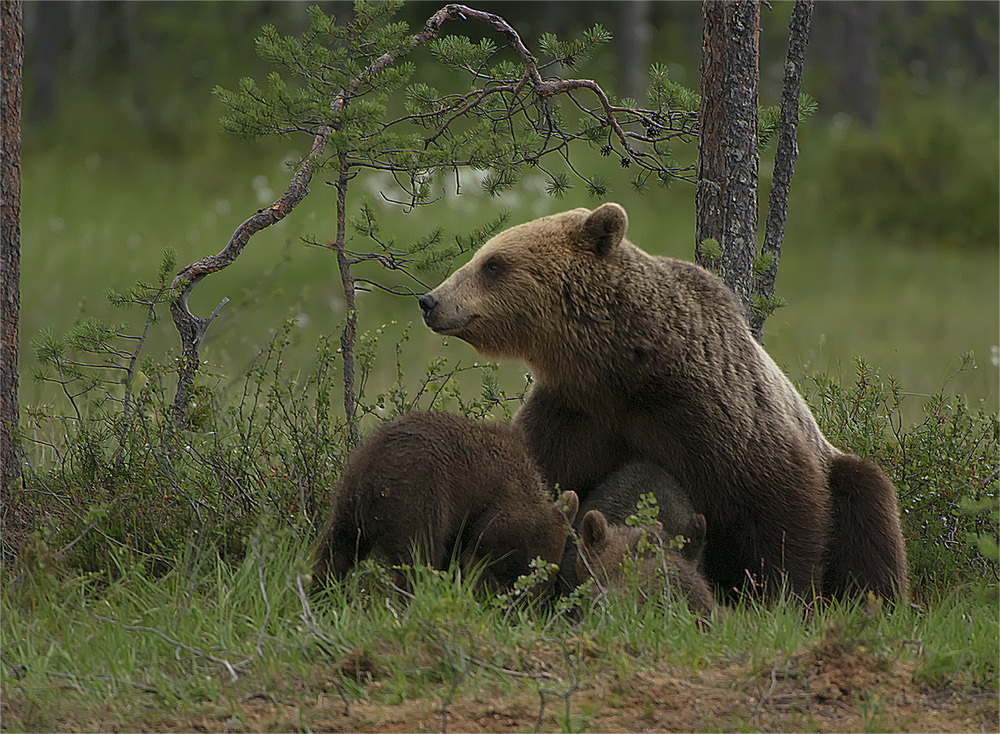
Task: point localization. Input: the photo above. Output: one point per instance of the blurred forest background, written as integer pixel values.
(890, 253)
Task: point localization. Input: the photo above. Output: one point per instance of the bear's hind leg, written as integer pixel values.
(866, 551)
(341, 545)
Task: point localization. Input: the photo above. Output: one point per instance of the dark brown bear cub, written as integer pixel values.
(604, 549)
(617, 497)
(432, 486)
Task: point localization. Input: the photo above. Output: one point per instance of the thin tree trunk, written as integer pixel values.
(728, 158)
(633, 35)
(786, 152)
(12, 43)
(348, 336)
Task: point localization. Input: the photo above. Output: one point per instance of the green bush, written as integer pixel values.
(944, 468)
(110, 473)
(927, 174)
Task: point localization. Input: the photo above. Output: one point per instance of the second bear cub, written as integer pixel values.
(617, 497)
(604, 548)
(429, 486)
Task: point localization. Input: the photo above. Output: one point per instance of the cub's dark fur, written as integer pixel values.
(440, 485)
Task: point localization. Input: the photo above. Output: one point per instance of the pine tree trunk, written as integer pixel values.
(12, 43)
(632, 37)
(728, 159)
(786, 151)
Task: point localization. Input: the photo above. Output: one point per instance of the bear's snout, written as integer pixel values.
(427, 303)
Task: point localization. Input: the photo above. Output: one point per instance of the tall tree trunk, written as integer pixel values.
(632, 38)
(859, 72)
(785, 153)
(46, 37)
(728, 158)
(12, 45)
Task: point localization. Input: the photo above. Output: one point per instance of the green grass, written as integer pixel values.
(203, 640)
(189, 613)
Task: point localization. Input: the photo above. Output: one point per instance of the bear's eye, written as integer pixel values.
(492, 268)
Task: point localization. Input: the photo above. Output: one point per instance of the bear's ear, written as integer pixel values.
(697, 530)
(594, 529)
(569, 505)
(604, 229)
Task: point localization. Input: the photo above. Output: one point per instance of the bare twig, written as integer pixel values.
(763, 699)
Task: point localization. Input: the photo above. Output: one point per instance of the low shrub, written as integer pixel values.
(110, 474)
(944, 468)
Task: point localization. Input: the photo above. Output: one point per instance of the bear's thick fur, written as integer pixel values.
(443, 485)
(642, 357)
(617, 496)
(604, 548)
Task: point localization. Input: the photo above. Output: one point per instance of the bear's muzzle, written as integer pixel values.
(427, 303)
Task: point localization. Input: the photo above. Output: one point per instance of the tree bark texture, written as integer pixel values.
(349, 335)
(785, 153)
(12, 42)
(728, 158)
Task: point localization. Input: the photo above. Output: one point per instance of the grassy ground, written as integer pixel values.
(210, 647)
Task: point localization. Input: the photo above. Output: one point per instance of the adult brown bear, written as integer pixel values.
(642, 357)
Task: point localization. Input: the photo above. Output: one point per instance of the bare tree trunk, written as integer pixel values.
(728, 158)
(632, 40)
(349, 335)
(786, 152)
(859, 81)
(46, 37)
(12, 43)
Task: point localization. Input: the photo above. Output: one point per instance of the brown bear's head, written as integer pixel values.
(603, 547)
(517, 539)
(526, 282)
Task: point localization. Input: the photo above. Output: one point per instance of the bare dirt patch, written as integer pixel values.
(815, 692)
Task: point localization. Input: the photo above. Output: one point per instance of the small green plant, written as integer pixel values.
(526, 587)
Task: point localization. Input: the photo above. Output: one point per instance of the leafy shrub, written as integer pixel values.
(927, 173)
(111, 473)
(944, 468)
(263, 451)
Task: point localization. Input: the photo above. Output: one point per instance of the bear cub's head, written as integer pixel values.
(505, 299)
(603, 550)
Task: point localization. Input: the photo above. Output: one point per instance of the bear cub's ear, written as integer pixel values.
(569, 504)
(594, 528)
(604, 229)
